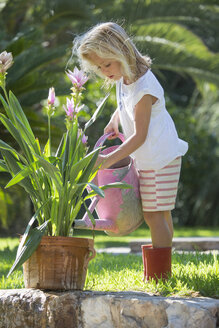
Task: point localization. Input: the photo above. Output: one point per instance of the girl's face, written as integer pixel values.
(108, 67)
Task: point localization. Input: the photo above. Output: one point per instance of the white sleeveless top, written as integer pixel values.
(162, 144)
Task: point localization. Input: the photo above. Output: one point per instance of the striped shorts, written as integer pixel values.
(158, 188)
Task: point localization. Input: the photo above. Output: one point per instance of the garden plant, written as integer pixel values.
(55, 180)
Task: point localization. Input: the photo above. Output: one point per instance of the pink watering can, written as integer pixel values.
(120, 211)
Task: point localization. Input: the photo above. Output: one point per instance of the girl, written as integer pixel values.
(151, 137)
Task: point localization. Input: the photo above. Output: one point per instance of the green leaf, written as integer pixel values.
(27, 136)
(80, 165)
(10, 127)
(74, 213)
(51, 170)
(26, 171)
(14, 168)
(87, 174)
(97, 190)
(32, 242)
(3, 166)
(97, 113)
(120, 185)
(54, 215)
(91, 217)
(28, 228)
(38, 146)
(17, 136)
(88, 170)
(61, 147)
(66, 152)
(46, 150)
(5, 146)
(11, 162)
(18, 111)
(73, 137)
(6, 107)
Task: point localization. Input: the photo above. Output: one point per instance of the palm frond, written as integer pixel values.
(177, 49)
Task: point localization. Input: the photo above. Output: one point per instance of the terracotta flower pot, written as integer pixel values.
(59, 263)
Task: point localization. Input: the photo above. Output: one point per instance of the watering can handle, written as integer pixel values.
(102, 139)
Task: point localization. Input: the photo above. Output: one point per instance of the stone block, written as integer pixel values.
(30, 308)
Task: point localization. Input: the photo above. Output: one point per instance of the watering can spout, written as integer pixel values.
(100, 225)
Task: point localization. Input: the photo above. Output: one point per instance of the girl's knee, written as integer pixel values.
(153, 215)
(153, 218)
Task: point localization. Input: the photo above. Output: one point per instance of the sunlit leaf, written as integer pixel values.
(90, 215)
(32, 241)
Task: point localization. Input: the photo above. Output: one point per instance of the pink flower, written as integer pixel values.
(70, 108)
(77, 77)
(51, 96)
(84, 139)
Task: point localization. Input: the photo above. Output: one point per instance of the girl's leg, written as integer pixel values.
(168, 218)
(161, 233)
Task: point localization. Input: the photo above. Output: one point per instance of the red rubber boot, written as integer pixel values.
(144, 247)
(157, 262)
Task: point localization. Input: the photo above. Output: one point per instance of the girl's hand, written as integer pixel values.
(112, 127)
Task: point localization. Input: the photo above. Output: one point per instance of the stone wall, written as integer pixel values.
(29, 308)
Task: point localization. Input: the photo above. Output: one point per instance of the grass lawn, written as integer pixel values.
(193, 274)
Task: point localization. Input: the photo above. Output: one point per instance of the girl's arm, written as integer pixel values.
(141, 124)
(113, 125)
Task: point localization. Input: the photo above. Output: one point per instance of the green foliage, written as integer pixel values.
(29, 243)
(183, 51)
(198, 191)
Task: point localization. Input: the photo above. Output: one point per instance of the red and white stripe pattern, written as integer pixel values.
(159, 188)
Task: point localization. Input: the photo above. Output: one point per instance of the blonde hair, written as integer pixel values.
(110, 41)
